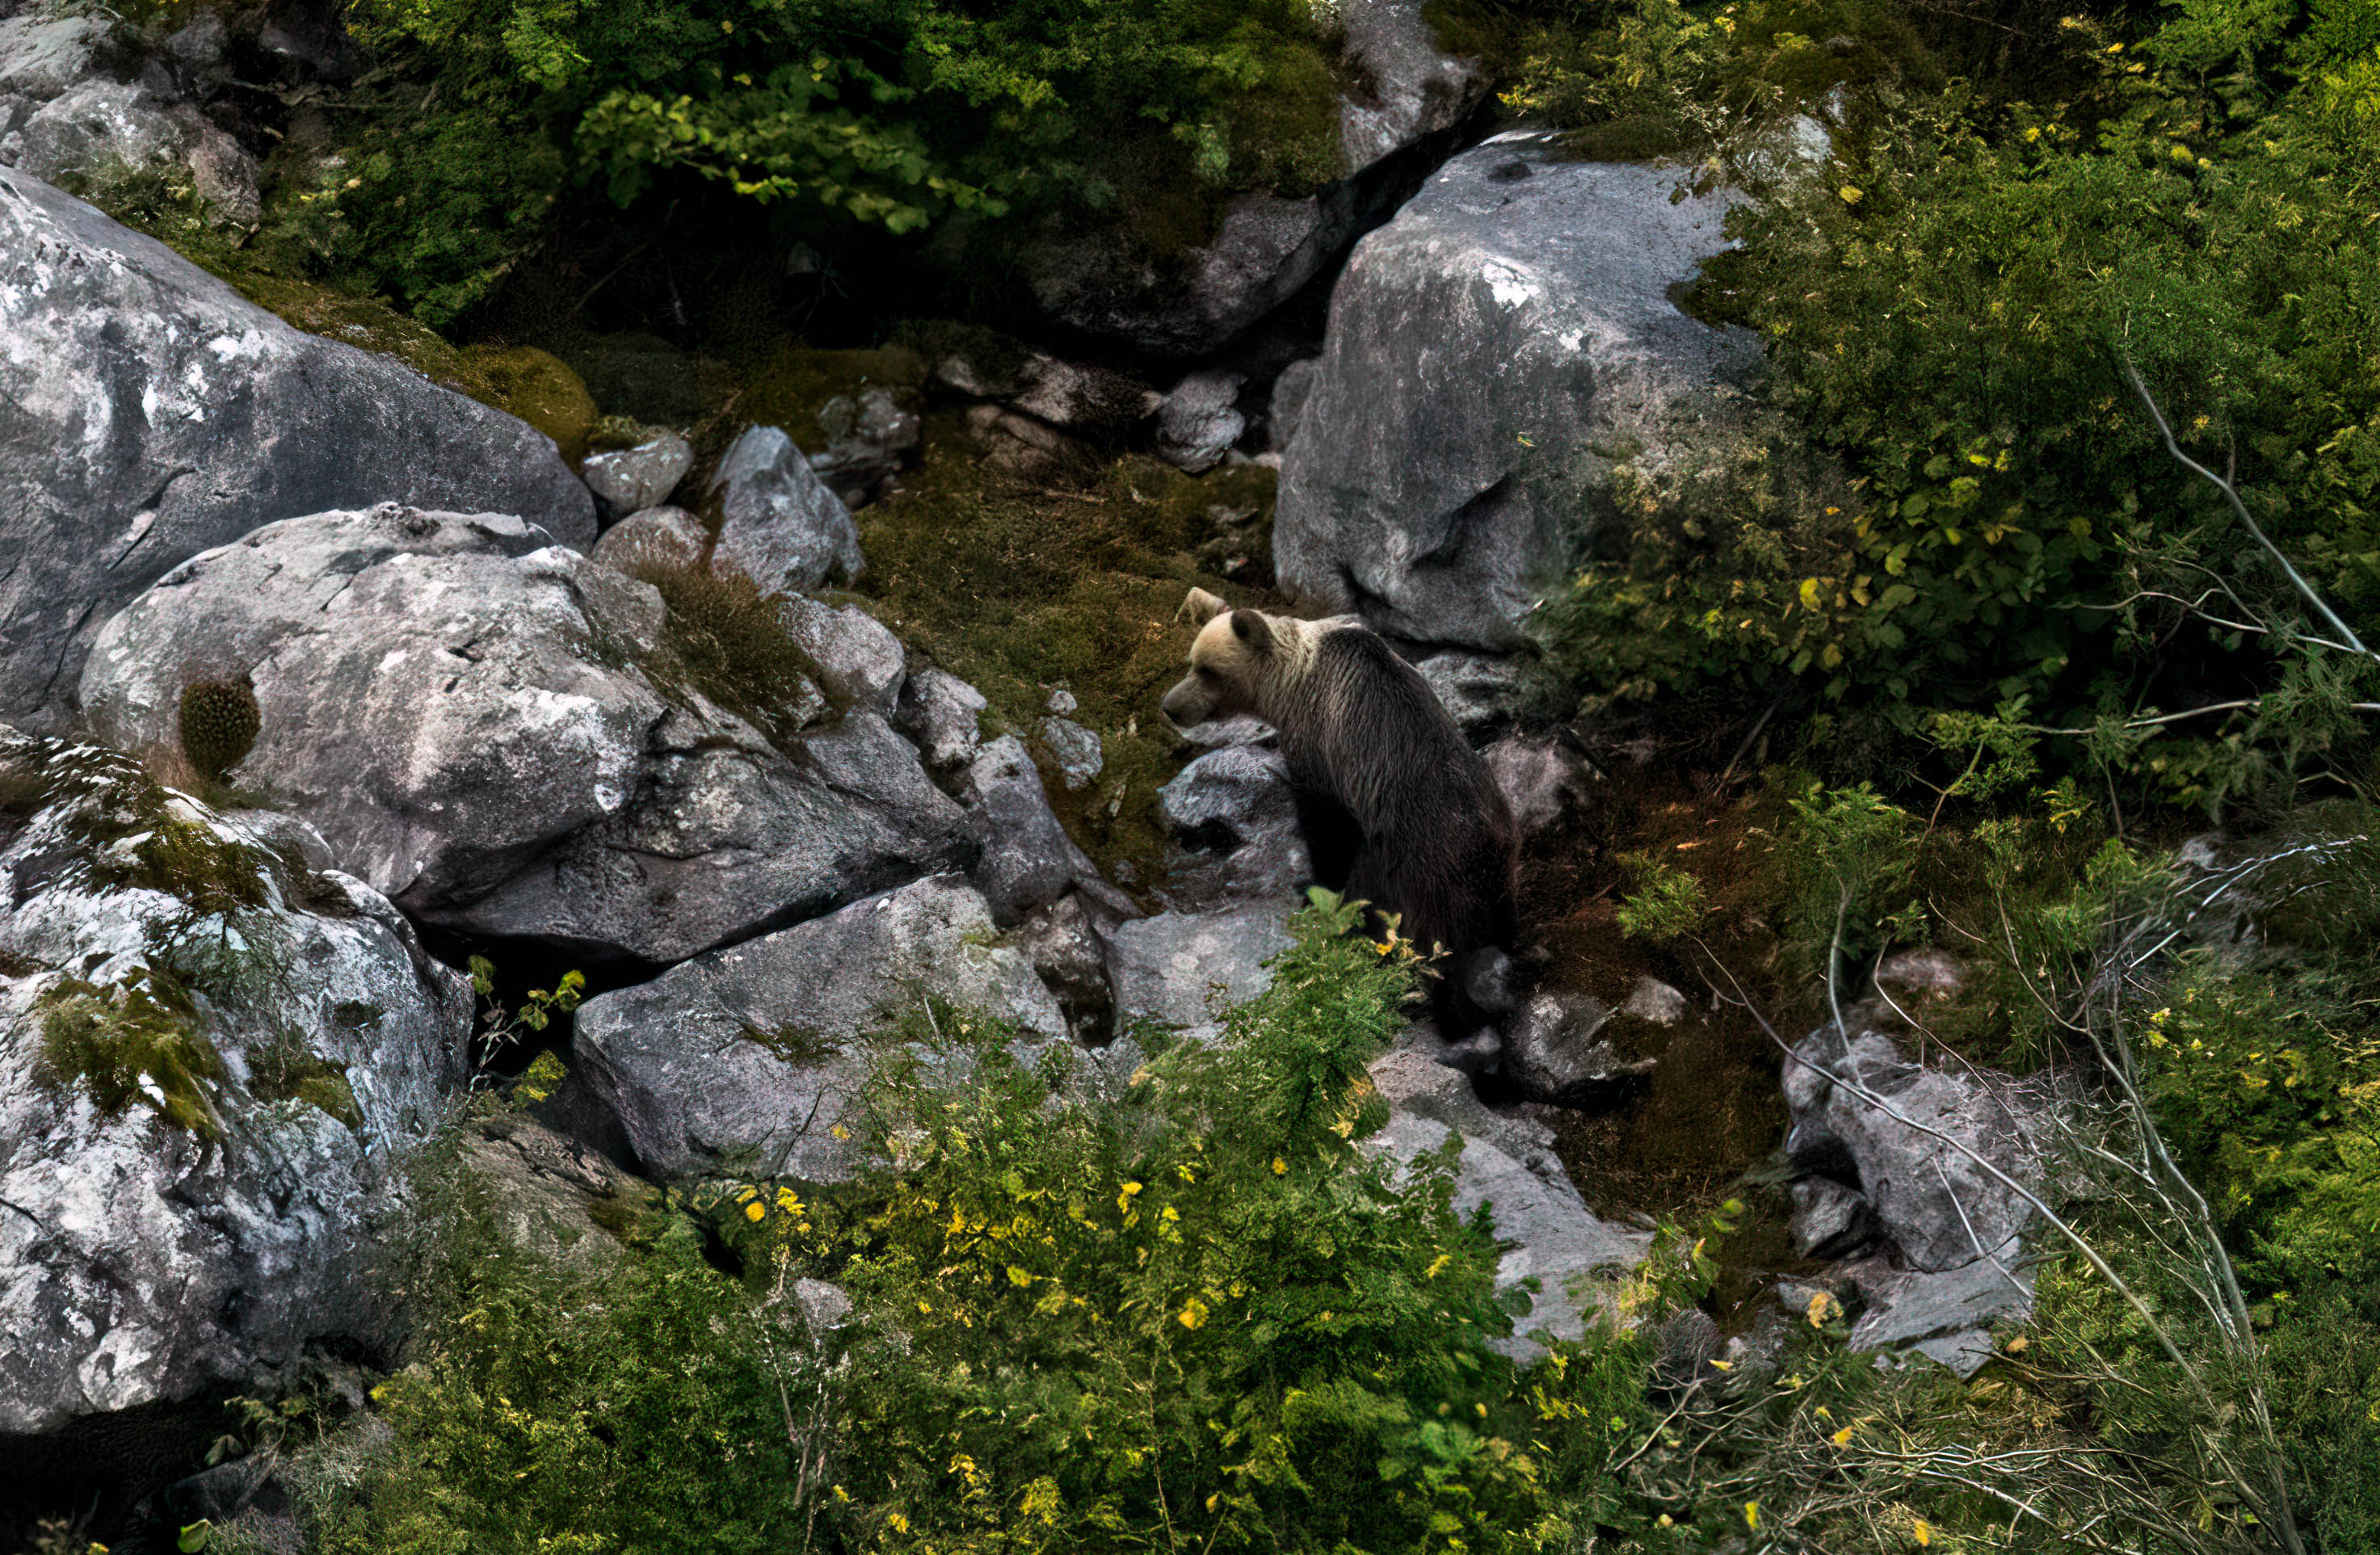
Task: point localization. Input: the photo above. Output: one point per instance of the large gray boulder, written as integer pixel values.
(1408, 89)
(727, 836)
(1561, 1260)
(211, 1058)
(488, 728)
(150, 412)
(750, 1058)
(1917, 1143)
(42, 56)
(1500, 358)
(1027, 859)
(1184, 970)
(1232, 831)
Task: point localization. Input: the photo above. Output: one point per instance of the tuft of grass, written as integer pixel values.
(726, 640)
(135, 1041)
(219, 726)
(282, 1068)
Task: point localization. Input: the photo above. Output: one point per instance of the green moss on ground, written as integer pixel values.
(1020, 588)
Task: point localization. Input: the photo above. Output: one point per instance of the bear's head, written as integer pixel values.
(1231, 661)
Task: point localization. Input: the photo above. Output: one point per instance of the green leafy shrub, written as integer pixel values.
(1955, 310)
(1198, 1315)
(880, 113)
(1667, 904)
(219, 726)
(640, 1412)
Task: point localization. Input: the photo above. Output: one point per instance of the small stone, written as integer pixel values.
(1289, 396)
(783, 528)
(1062, 702)
(869, 439)
(941, 715)
(1831, 1219)
(1230, 819)
(1238, 729)
(1063, 941)
(1479, 691)
(667, 538)
(633, 479)
(1652, 999)
(859, 661)
(1076, 749)
(1198, 422)
(1555, 1049)
(1028, 858)
(1544, 782)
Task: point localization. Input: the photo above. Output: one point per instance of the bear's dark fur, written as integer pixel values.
(1398, 809)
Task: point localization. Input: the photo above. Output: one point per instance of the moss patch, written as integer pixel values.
(786, 383)
(137, 1040)
(1019, 589)
(794, 1044)
(282, 1068)
(725, 640)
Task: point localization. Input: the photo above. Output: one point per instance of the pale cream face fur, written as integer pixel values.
(1237, 659)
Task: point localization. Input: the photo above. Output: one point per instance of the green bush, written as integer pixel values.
(641, 1413)
(884, 113)
(219, 726)
(1195, 1317)
(1955, 314)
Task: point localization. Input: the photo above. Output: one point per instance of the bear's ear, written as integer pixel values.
(1253, 630)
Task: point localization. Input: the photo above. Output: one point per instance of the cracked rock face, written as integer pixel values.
(464, 712)
(752, 1054)
(152, 413)
(1493, 354)
(212, 1058)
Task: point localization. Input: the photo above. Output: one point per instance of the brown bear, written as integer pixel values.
(1397, 808)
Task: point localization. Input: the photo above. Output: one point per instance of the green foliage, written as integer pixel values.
(500, 1027)
(1952, 308)
(1668, 904)
(1854, 856)
(885, 113)
(640, 1412)
(281, 1067)
(219, 724)
(1195, 1317)
(135, 1040)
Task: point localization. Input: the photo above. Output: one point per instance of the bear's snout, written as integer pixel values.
(1186, 704)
